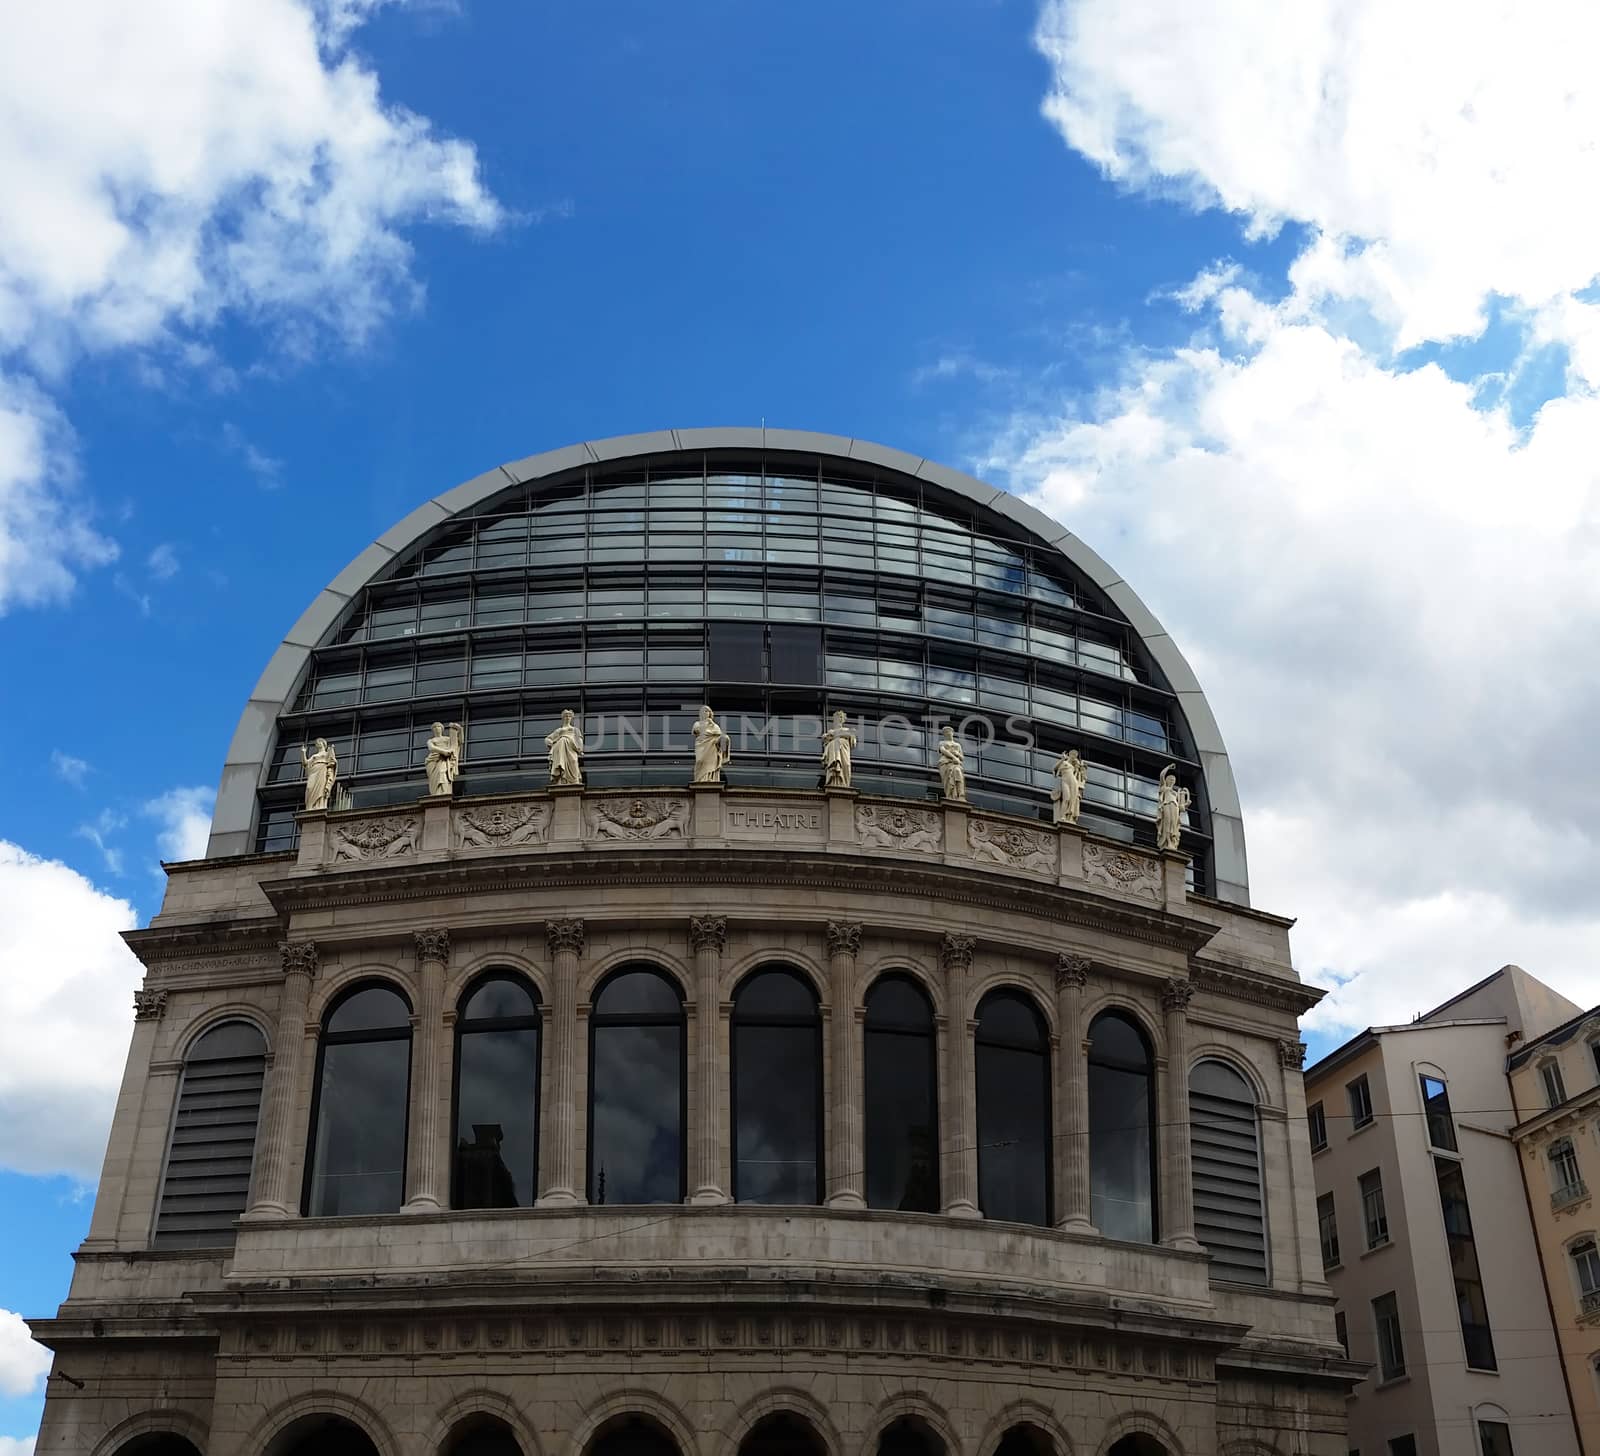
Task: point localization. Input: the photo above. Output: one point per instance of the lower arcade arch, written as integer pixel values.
(322, 1435)
(1025, 1440)
(632, 1435)
(909, 1436)
(1138, 1444)
(159, 1443)
(482, 1435)
(782, 1434)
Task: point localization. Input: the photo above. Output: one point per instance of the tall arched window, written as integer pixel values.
(902, 1135)
(497, 1095)
(777, 1090)
(1121, 1120)
(1228, 1213)
(636, 1089)
(1012, 1067)
(358, 1138)
(207, 1181)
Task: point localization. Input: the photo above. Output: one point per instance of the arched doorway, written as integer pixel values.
(322, 1435)
(632, 1435)
(782, 1435)
(158, 1443)
(1138, 1444)
(909, 1437)
(1025, 1440)
(482, 1436)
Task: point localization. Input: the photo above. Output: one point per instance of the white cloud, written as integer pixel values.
(23, 1364)
(73, 770)
(179, 162)
(1391, 598)
(99, 832)
(17, 1445)
(185, 816)
(65, 1014)
(162, 562)
(1441, 155)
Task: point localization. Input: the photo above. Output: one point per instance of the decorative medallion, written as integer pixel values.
(374, 838)
(1132, 874)
(638, 818)
(498, 826)
(994, 842)
(891, 826)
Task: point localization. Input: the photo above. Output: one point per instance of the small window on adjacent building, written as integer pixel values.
(1373, 1212)
(1391, 1349)
(1594, 1051)
(1319, 1127)
(1494, 1438)
(1555, 1090)
(1328, 1228)
(1341, 1331)
(1586, 1265)
(1565, 1180)
(1436, 1105)
(1360, 1102)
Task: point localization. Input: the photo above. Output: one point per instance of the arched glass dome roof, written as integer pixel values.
(777, 575)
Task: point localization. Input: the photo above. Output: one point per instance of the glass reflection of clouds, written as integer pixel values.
(636, 1089)
(1121, 1118)
(1012, 1075)
(777, 1090)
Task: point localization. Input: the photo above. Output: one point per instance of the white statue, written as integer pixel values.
(444, 758)
(1171, 801)
(836, 745)
(1071, 776)
(711, 749)
(566, 749)
(952, 765)
(322, 768)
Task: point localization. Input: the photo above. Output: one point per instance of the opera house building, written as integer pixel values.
(540, 1063)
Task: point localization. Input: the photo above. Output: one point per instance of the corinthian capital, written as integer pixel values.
(1292, 1054)
(1176, 996)
(299, 958)
(1071, 970)
(709, 932)
(844, 937)
(956, 953)
(432, 945)
(149, 1005)
(563, 935)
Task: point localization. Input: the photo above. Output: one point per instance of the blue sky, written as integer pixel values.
(1318, 376)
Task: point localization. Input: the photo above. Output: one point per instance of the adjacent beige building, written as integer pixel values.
(1425, 1234)
(642, 1118)
(1555, 1088)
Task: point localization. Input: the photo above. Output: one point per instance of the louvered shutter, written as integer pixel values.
(1229, 1218)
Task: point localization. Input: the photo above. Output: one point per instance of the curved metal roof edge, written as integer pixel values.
(233, 819)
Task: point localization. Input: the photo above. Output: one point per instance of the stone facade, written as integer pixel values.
(706, 1318)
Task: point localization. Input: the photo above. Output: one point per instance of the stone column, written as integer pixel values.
(133, 1097)
(958, 1118)
(1072, 1082)
(565, 939)
(1177, 1178)
(273, 1196)
(846, 1149)
(426, 1172)
(708, 934)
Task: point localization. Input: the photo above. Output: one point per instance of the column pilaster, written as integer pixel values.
(565, 939)
(273, 1196)
(708, 935)
(425, 1164)
(1072, 1101)
(846, 1150)
(1177, 1179)
(958, 1118)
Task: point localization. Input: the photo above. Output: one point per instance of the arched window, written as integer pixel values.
(207, 1181)
(482, 1435)
(1012, 1073)
(636, 1089)
(633, 1435)
(1121, 1119)
(909, 1436)
(781, 1435)
(902, 1136)
(1566, 1182)
(358, 1139)
(497, 1095)
(1228, 1214)
(777, 1090)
